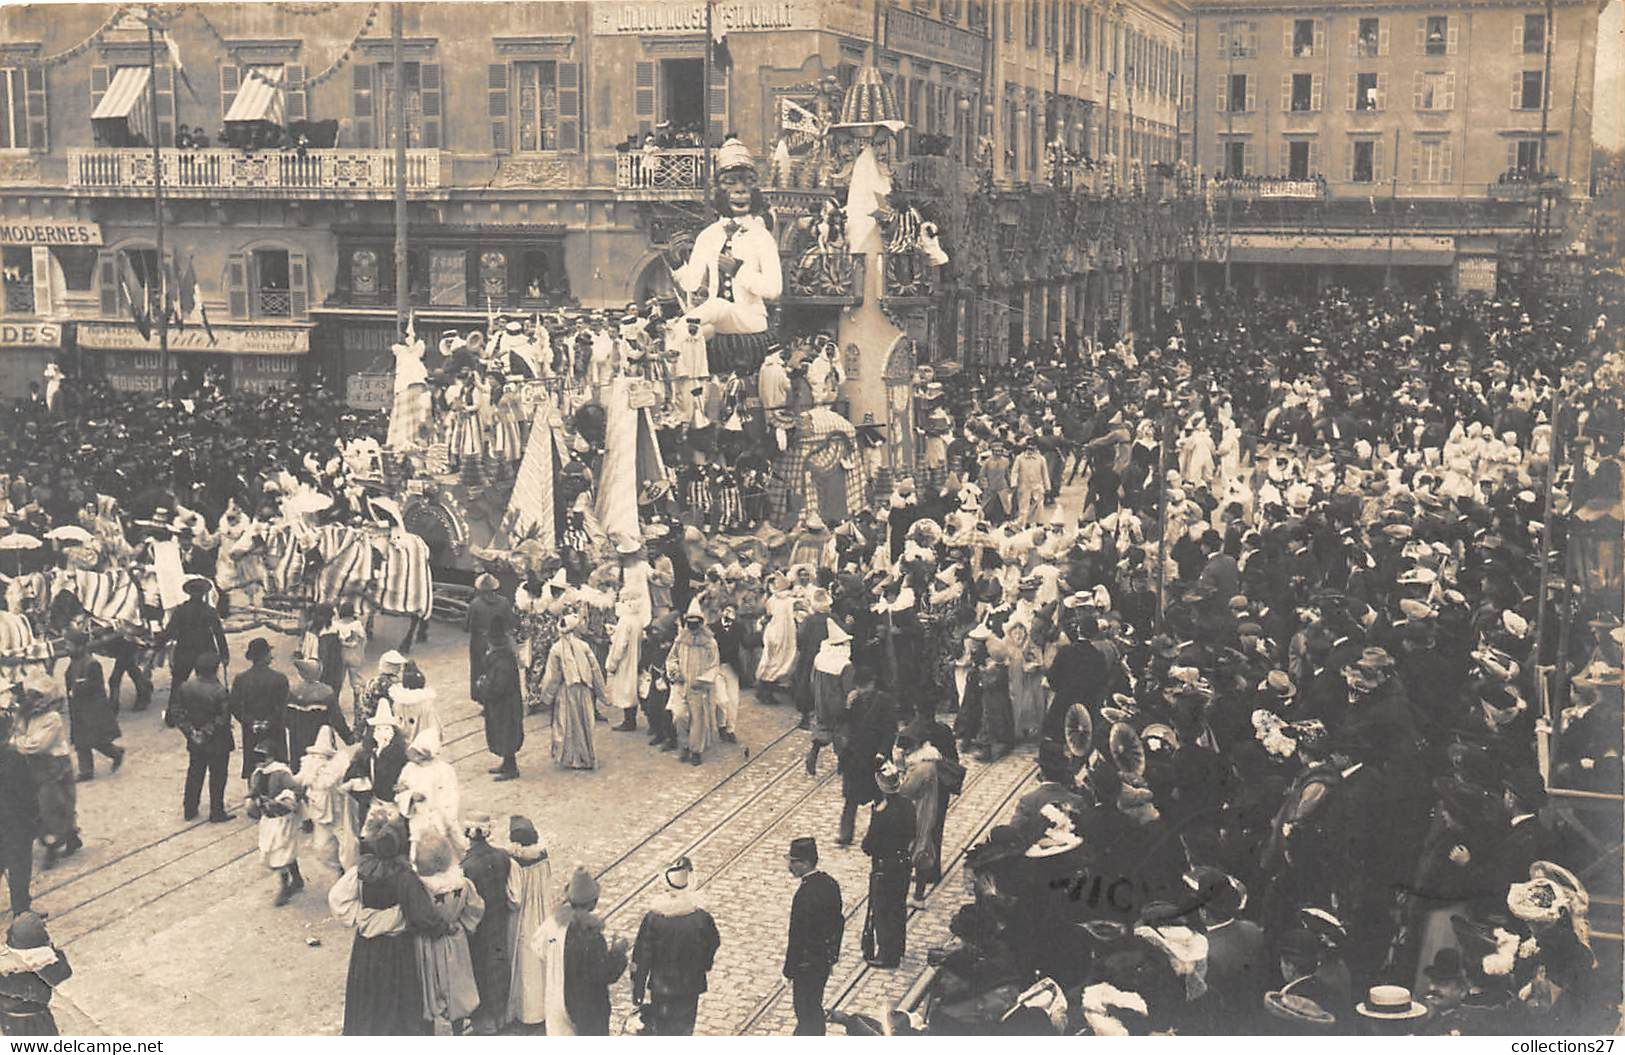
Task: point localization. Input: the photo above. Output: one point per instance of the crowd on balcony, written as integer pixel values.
(666, 136)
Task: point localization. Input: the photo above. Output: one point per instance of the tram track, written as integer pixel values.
(856, 911)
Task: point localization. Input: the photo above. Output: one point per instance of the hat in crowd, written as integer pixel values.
(1279, 684)
(307, 668)
(1390, 1002)
(478, 825)
(392, 658)
(1217, 891)
(888, 778)
(259, 648)
(197, 586)
(582, 890)
(1079, 731)
(521, 832)
(804, 848)
(679, 873)
(486, 581)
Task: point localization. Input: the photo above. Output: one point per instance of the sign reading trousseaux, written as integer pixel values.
(731, 16)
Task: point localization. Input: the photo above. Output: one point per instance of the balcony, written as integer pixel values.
(334, 173)
(1522, 186)
(272, 304)
(907, 277)
(1267, 188)
(677, 172)
(823, 277)
(19, 299)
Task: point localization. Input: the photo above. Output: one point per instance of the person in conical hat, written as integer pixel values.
(580, 964)
(736, 259)
(691, 670)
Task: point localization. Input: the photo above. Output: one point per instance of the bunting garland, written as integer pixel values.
(74, 52)
(310, 82)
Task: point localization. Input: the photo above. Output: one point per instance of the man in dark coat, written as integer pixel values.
(487, 868)
(814, 943)
(201, 710)
(194, 628)
(487, 606)
(591, 965)
(676, 945)
(871, 726)
(92, 722)
(19, 820)
(259, 702)
(501, 699)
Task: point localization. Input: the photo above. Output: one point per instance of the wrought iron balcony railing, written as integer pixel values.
(678, 171)
(312, 173)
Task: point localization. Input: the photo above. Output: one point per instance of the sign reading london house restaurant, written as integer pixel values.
(228, 339)
(729, 16)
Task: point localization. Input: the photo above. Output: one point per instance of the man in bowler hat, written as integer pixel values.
(814, 944)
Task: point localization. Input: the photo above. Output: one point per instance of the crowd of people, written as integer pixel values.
(1302, 590)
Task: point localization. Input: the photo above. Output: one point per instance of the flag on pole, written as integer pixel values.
(191, 298)
(180, 67)
(795, 118)
(134, 292)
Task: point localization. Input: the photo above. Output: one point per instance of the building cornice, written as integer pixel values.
(555, 46)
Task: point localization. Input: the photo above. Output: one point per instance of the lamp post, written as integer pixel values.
(157, 203)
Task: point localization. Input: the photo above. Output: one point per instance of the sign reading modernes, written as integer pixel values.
(49, 232)
(230, 340)
(730, 16)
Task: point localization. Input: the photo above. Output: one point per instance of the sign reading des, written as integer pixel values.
(30, 335)
(369, 391)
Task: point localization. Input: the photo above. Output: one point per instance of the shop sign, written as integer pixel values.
(50, 232)
(731, 16)
(227, 340)
(30, 335)
(1475, 274)
(914, 34)
(369, 391)
(134, 382)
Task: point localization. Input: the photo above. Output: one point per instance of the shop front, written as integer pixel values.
(248, 358)
(25, 348)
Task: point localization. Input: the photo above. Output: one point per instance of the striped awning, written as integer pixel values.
(126, 100)
(259, 98)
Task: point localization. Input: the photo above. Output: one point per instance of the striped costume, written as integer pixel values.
(407, 585)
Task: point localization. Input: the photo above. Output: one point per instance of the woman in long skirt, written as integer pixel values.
(444, 962)
(531, 899)
(778, 660)
(1026, 681)
(573, 685)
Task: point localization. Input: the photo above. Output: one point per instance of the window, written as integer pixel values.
(1297, 159)
(1435, 35)
(1085, 38)
(127, 275)
(1303, 37)
(373, 89)
(1071, 42)
(1363, 161)
(1534, 34)
(1432, 161)
(1368, 38)
(1303, 87)
(17, 272)
(1009, 22)
(1528, 94)
(1032, 20)
(536, 106)
(1239, 38)
(1235, 159)
(1366, 94)
(1526, 157)
(78, 265)
(1052, 26)
(270, 288)
(1238, 93)
(1435, 91)
(22, 109)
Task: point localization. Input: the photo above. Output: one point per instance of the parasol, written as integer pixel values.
(70, 533)
(19, 541)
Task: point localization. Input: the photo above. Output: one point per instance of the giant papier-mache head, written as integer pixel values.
(737, 192)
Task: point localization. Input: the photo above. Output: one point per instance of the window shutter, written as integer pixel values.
(230, 80)
(1517, 35)
(296, 103)
(1348, 162)
(1224, 40)
(1421, 36)
(1286, 37)
(1286, 91)
(496, 105)
(1449, 91)
(38, 120)
(1285, 159)
(643, 96)
(1315, 85)
(1382, 92)
(1418, 79)
(298, 285)
(361, 108)
(1551, 35)
(98, 86)
(569, 85)
(1354, 38)
(1382, 38)
(1249, 162)
(1517, 91)
(429, 94)
(1354, 91)
(1378, 173)
(1451, 36)
(1512, 155)
(107, 284)
(164, 77)
(1224, 93)
(1447, 162)
(1252, 97)
(237, 286)
(1320, 37)
(1417, 151)
(1314, 158)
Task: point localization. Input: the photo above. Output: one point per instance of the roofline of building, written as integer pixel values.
(1203, 7)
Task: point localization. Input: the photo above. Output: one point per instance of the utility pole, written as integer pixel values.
(157, 203)
(1393, 216)
(1538, 236)
(397, 120)
(1229, 138)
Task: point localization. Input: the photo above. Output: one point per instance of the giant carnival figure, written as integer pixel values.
(736, 262)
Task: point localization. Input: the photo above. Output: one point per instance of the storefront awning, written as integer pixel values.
(259, 98)
(1352, 249)
(126, 100)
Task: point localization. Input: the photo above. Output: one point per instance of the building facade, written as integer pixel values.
(528, 182)
(1441, 144)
